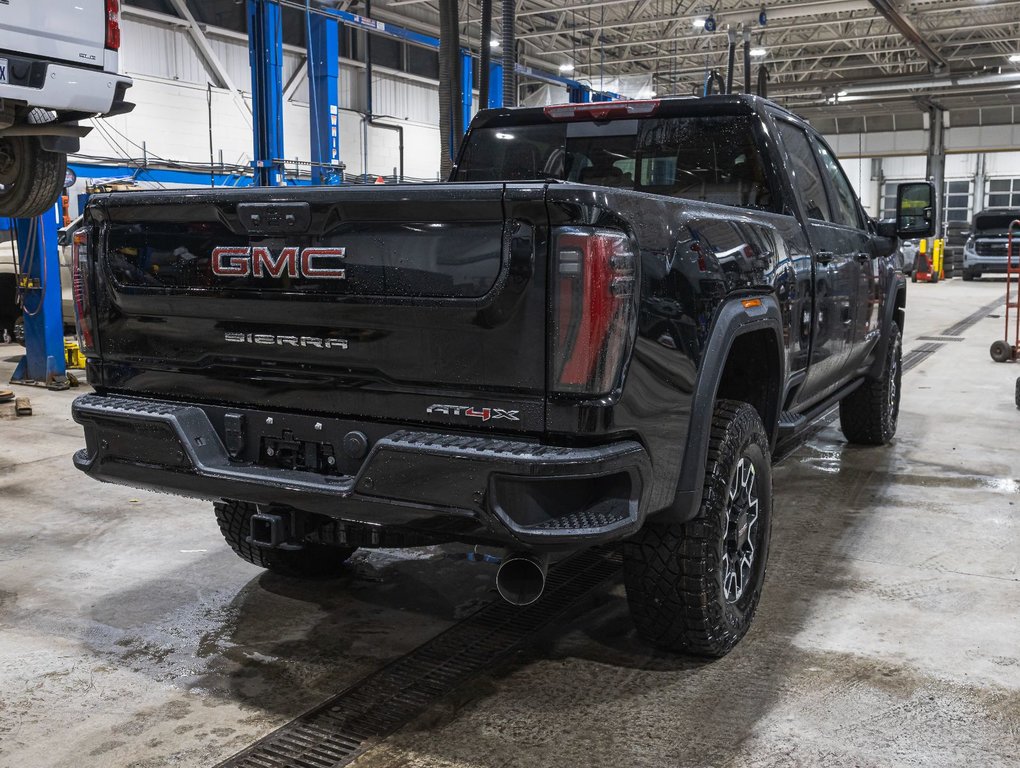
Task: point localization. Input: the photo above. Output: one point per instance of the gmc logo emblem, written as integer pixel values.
(316, 263)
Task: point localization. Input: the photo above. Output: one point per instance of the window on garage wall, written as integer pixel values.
(957, 202)
(387, 52)
(1003, 193)
(423, 62)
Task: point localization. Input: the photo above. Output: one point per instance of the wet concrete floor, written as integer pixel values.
(888, 634)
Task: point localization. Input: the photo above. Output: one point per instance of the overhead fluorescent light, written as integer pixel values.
(566, 68)
(494, 43)
(841, 94)
(759, 52)
(1015, 58)
(699, 23)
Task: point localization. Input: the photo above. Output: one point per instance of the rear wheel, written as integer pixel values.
(311, 561)
(32, 178)
(693, 587)
(868, 415)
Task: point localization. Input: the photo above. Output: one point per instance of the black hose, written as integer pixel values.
(485, 55)
(729, 63)
(508, 44)
(449, 82)
(368, 65)
(713, 83)
(763, 81)
(747, 63)
(458, 80)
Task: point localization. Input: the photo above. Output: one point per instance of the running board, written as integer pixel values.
(792, 424)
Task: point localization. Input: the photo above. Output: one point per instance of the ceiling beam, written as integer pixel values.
(906, 28)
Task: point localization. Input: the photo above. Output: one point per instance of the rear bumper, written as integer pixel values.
(468, 487)
(66, 88)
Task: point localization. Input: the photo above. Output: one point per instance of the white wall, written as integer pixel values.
(172, 116)
(903, 158)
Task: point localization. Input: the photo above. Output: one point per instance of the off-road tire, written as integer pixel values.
(868, 415)
(34, 177)
(675, 573)
(314, 561)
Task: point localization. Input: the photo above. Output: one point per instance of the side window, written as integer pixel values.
(807, 177)
(844, 209)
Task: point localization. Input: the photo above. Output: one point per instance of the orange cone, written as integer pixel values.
(380, 180)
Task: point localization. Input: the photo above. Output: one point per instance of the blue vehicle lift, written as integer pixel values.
(265, 50)
(265, 54)
(324, 99)
(39, 263)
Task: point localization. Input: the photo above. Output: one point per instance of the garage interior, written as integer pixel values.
(888, 632)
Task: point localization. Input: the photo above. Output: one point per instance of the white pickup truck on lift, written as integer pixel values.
(58, 65)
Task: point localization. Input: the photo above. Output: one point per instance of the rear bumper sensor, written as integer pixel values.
(514, 491)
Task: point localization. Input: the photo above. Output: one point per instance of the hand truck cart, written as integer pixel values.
(1002, 350)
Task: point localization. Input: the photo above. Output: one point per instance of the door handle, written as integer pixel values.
(824, 257)
(863, 257)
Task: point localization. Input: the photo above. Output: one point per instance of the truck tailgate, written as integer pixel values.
(418, 304)
(54, 29)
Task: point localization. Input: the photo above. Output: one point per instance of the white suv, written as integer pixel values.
(58, 65)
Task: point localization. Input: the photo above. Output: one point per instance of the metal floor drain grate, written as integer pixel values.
(339, 730)
(973, 318)
(915, 357)
(941, 338)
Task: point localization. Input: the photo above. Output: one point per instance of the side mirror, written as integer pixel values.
(915, 209)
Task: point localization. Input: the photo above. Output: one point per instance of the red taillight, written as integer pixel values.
(80, 289)
(603, 110)
(113, 25)
(593, 309)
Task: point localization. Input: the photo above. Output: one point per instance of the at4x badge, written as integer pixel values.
(483, 413)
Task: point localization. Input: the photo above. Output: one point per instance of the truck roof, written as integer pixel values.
(716, 104)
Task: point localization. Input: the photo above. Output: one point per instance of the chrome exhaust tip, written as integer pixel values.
(520, 579)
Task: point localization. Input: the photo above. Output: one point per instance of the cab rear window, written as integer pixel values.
(713, 159)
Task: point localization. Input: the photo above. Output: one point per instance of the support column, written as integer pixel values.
(324, 98)
(936, 163)
(467, 84)
(979, 184)
(39, 259)
(265, 55)
(495, 86)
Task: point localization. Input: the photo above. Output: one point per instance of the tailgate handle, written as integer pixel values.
(274, 218)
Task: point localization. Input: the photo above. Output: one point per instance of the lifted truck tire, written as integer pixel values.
(693, 587)
(32, 177)
(868, 415)
(314, 561)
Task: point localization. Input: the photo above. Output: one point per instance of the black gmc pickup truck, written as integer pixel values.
(595, 332)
